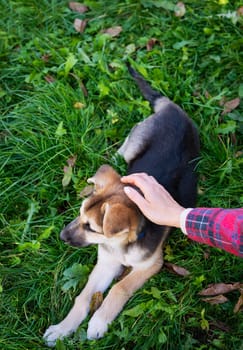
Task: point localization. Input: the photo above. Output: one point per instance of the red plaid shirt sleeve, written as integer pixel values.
(217, 227)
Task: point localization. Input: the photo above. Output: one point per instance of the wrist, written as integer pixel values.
(183, 216)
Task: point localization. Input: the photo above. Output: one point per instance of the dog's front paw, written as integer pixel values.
(97, 327)
(55, 332)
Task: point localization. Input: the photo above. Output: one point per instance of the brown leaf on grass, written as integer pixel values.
(150, 44)
(217, 299)
(49, 79)
(239, 305)
(230, 105)
(177, 269)
(72, 160)
(79, 25)
(45, 57)
(240, 11)
(238, 154)
(113, 31)
(86, 191)
(77, 7)
(206, 254)
(96, 301)
(180, 9)
(68, 171)
(219, 288)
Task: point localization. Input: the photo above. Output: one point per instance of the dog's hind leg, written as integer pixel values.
(117, 297)
(102, 275)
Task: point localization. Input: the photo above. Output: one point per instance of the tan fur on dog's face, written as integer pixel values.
(106, 214)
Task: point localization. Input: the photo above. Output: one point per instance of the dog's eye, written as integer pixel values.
(87, 227)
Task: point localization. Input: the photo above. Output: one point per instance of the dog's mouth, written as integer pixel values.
(79, 234)
(73, 239)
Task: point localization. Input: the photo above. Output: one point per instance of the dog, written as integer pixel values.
(166, 146)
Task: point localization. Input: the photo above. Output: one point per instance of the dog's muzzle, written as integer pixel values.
(72, 234)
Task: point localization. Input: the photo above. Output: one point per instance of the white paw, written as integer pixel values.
(97, 327)
(55, 332)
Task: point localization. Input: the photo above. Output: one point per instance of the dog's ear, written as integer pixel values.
(97, 184)
(119, 219)
(104, 177)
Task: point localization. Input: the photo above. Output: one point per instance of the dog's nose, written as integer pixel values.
(66, 235)
(69, 231)
(63, 235)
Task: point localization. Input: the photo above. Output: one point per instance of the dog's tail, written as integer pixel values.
(151, 95)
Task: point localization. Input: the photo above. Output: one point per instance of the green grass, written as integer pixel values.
(197, 61)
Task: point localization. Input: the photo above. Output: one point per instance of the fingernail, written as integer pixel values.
(127, 190)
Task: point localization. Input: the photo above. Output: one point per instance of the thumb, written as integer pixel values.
(135, 197)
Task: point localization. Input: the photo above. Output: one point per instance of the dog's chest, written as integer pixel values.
(134, 256)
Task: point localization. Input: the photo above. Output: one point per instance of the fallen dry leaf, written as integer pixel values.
(219, 288)
(79, 25)
(177, 269)
(231, 105)
(72, 160)
(96, 301)
(238, 154)
(150, 44)
(68, 171)
(77, 7)
(217, 299)
(240, 11)
(49, 78)
(206, 254)
(113, 31)
(239, 304)
(180, 9)
(45, 57)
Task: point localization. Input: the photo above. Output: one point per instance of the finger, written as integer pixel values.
(135, 197)
(133, 177)
(143, 181)
(139, 179)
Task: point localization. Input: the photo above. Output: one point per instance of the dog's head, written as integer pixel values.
(107, 215)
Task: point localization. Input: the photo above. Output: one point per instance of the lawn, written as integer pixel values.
(67, 103)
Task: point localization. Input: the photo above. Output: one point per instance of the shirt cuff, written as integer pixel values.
(183, 217)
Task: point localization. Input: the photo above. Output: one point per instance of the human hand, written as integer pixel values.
(157, 204)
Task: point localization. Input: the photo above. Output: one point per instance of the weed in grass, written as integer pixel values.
(66, 94)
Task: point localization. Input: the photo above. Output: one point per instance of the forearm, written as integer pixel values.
(221, 228)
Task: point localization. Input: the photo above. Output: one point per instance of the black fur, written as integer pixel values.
(169, 150)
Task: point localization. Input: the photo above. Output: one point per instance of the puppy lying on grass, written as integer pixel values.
(166, 146)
